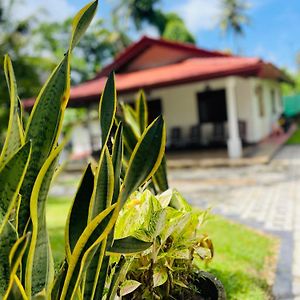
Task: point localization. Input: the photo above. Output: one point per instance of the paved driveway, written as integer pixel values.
(266, 197)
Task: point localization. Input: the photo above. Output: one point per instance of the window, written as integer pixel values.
(260, 99)
(273, 101)
(212, 106)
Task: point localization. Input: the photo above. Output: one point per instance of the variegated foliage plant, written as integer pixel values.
(28, 162)
(135, 121)
(167, 269)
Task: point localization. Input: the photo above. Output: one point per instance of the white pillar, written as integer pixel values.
(234, 144)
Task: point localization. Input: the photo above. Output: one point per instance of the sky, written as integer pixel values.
(273, 34)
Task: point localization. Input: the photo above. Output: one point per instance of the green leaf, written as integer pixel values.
(160, 178)
(102, 198)
(117, 156)
(15, 258)
(95, 232)
(116, 278)
(157, 223)
(104, 185)
(17, 291)
(43, 129)
(129, 245)
(82, 21)
(15, 135)
(160, 276)
(130, 140)
(178, 202)
(39, 267)
(59, 281)
(11, 177)
(94, 282)
(130, 118)
(78, 217)
(107, 108)
(128, 286)
(145, 158)
(142, 111)
(8, 238)
(45, 121)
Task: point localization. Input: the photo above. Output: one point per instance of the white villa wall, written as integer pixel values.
(180, 109)
(262, 125)
(179, 104)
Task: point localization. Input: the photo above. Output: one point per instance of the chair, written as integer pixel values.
(242, 130)
(195, 136)
(219, 135)
(175, 137)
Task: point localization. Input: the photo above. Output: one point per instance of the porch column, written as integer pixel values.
(234, 145)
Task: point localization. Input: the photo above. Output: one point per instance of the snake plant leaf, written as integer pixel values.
(45, 122)
(107, 108)
(43, 129)
(8, 238)
(104, 185)
(11, 177)
(99, 280)
(15, 258)
(78, 216)
(129, 245)
(39, 267)
(142, 111)
(130, 140)
(102, 198)
(130, 117)
(82, 21)
(59, 280)
(117, 156)
(145, 159)
(95, 232)
(93, 280)
(116, 278)
(160, 177)
(17, 291)
(15, 135)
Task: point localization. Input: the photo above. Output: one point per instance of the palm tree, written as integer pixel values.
(168, 25)
(234, 18)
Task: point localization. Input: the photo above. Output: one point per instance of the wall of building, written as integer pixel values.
(180, 109)
(179, 104)
(263, 124)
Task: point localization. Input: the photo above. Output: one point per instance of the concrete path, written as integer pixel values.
(266, 197)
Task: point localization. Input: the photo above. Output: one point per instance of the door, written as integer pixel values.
(212, 106)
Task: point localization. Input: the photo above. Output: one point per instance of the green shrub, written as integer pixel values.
(28, 162)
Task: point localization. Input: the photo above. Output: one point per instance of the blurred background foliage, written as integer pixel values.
(35, 46)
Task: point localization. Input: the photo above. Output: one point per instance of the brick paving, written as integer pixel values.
(266, 197)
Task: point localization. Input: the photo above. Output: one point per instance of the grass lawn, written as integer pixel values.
(295, 138)
(243, 259)
(240, 253)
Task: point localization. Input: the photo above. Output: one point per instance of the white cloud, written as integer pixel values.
(199, 14)
(46, 10)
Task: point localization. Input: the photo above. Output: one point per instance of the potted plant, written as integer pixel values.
(168, 269)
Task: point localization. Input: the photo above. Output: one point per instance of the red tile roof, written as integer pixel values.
(195, 69)
(202, 66)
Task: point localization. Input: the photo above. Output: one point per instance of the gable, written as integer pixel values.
(155, 56)
(149, 53)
